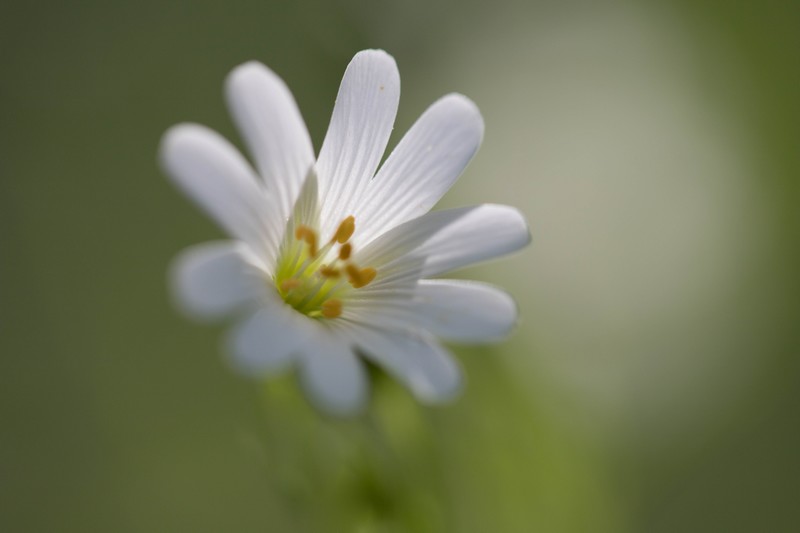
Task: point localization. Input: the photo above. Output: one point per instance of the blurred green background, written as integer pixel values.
(653, 382)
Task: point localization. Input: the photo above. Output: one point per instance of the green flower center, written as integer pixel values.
(315, 281)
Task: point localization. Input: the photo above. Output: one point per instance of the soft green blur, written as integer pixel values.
(653, 384)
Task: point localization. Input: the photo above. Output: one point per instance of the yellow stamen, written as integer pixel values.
(289, 284)
(345, 230)
(312, 278)
(329, 272)
(301, 232)
(360, 278)
(332, 308)
(353, 273)
(304, 233)
(367, 275)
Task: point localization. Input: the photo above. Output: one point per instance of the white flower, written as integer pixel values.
(329, 260)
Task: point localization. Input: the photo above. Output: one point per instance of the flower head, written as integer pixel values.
(328, 260)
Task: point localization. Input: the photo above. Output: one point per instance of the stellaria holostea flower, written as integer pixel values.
(329, 261)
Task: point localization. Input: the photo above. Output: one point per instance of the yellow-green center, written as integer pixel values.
(314, 280)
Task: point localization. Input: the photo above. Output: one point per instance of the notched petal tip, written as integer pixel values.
(180, 143)
(460, 116)
(526, 228)
(513, 305)
(415, 359)
(466, 312)
(373, 54)
(442, 395)
(514, 222)
(170, 143)
(247, 75)
(378, 65)
(334, 380)
(209, 281)
(258, 347)
(464, 107)
(248, 67)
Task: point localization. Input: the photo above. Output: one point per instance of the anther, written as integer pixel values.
(301, 232)
(332, 308)
(345, 251)
(367, 275)
(329, 272)
(289, 284)
(345, 230)
(304, 233)
(360, 277)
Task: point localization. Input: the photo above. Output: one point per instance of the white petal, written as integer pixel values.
(485, 232)
(426, 162)
(267, 341)
(398, 245)
(214, 279)
(376, 310)
(359, 130)
(215, 175)
(465, 311)
(333, 376)
(416, 360)
(445, 240)
(273, 130)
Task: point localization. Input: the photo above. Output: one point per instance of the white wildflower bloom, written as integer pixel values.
(329, 257)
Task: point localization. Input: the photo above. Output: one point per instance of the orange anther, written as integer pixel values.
(345, 251)
(360, 278)
(354, 274)
(345, 230)
(289, 284)
(332, 308)
(367, 275)
(329, 272)
(301, 232)
(304, 233)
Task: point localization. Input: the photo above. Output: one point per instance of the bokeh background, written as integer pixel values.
(653, 384)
